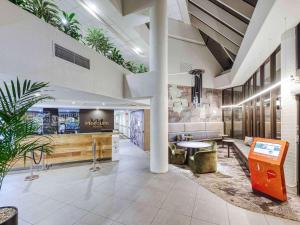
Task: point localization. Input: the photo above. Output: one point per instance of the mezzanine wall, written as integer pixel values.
(27, 50)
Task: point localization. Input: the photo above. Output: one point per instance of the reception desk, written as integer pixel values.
(69, 148)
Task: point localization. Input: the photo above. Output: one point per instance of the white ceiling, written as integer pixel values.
(174, 10)
(68, 98)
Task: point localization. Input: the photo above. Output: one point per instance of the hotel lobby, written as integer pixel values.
(150, 112)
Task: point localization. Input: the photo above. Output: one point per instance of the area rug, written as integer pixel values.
(232, 183)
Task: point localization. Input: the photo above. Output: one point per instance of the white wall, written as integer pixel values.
(198, 56)
(289, 105)
(187, 52)
(27, 51)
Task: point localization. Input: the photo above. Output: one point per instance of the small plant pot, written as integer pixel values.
(8, 215)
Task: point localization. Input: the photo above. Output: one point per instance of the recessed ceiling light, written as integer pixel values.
(138, 51)
(92, 6)
(103, 103)
(73, 102)
(64, 21)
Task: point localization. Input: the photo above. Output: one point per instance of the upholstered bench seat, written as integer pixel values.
(242, 150)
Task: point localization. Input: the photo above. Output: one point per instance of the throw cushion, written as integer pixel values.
(248, 141)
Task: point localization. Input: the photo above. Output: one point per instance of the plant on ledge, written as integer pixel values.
(43, 9)
(70, 25)
(131, 66)
(116, 56)
(142, 68)
(21, 3)
(15, 130)
(67, 23)
(96, 39)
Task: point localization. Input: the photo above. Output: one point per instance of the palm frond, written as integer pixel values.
(16, 132)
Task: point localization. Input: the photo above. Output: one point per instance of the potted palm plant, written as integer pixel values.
(17, 138)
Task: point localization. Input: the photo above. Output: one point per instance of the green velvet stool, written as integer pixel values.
(176, 156)
(204, 160)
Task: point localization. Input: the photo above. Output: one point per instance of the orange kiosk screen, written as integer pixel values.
(266, 158)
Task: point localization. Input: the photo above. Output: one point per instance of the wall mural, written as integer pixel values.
(137, 128)
(181, 108)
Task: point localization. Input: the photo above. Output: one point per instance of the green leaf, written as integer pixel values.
(15, 129)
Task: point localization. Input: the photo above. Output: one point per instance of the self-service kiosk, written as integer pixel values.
(266, 158)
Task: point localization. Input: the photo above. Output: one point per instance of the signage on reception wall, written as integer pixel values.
(95, 120)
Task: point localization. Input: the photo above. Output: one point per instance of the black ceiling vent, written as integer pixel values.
(72, 57)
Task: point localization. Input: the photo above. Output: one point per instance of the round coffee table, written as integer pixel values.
(191, 146)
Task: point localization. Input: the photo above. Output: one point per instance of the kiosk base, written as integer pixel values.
(266, 158)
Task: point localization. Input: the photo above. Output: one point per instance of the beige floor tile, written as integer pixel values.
(165, 217)
(238, 216)
(137, 214)
(179, 201)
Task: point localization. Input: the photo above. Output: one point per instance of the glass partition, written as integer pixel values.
(238, 123)
(267, 116)
(277, 93)
(267, 75)
(257, 81)
(261, 116)
(258, 132)
(278, 66)
(227, 113)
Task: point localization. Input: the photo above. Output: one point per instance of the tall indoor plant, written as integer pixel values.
(17, 138)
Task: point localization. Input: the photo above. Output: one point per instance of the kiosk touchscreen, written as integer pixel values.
(266, 158)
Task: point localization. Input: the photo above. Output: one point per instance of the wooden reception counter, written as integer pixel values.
(69, 148)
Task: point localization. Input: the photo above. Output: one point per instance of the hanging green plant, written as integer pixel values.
(116, 56)
(70, 25)
(96, 39)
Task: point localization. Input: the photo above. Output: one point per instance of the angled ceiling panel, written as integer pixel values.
(238, 8)
(215, 24)
(221, 15)
(222, 24)
(214, 35)
(251, 2)
(218, 52)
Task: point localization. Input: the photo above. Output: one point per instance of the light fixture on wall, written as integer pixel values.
(197, 89)
(253, 96)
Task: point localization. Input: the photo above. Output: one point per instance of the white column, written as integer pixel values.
(159, 102)
(289, 105)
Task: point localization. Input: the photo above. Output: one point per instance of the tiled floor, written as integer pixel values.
(121, 193)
